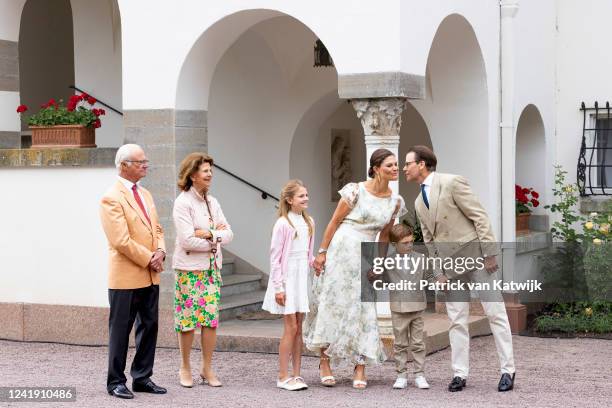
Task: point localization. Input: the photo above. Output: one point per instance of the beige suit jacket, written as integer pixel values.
(131, 239)
(456, 223)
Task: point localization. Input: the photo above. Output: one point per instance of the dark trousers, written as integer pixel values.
(126, 306)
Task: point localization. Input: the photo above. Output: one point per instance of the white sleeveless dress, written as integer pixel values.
(296, 286)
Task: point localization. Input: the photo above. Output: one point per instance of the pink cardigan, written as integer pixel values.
(282, 236)
(190, 213)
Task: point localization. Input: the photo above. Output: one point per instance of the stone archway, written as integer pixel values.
(456, 107)
(242, 92)
(64, 43)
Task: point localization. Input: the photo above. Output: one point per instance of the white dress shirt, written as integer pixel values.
(427, 183)
(128, 184)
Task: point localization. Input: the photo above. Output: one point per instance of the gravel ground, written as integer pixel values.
(550, 373)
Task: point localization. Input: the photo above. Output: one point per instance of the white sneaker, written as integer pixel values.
(421, 382)
(400, 383)
(290, 385)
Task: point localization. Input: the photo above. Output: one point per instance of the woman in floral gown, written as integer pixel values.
(339, 326)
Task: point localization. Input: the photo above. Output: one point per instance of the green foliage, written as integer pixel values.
(578, 269)
(413, 221)
(566, 195)
(60, 115)
(572, 324)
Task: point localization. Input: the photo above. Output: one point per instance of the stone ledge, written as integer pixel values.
(533, 241)
(595, 204)
(60, 157)
(381, 85)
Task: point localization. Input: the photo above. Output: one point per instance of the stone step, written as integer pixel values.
(263, 336)
(228, 267)
(234, 305)
(235, 284)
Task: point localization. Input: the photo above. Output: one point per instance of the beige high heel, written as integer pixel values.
(212, 383)
(185, 378)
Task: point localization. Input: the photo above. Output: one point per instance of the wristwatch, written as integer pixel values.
(321, 251)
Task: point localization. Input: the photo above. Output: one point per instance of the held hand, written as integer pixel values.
(221, 227)
(373, 276)
(490, 264)
(442, 279)
(280, 298)
(157, 261)
(319, 263)
(203, 234)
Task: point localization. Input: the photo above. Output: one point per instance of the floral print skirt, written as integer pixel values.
(338, 320)
(196, 299)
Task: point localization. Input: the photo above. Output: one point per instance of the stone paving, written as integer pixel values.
(550, 373)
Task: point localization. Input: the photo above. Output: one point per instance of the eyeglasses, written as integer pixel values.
(140, 162)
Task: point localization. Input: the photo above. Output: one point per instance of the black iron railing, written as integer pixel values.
(97, 100)
(594, 173)
(264, 194)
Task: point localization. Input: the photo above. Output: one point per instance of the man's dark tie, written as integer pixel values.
(141, 205)
(424, 195)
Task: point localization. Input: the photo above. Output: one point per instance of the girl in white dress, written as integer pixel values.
(290, 260)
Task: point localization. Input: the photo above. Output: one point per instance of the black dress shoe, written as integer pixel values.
(121, 391)
(506, 382)
(457, 384)
(149, 387)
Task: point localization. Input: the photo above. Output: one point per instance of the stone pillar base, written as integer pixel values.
(517, 313)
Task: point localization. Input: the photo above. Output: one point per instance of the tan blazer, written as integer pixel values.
(455, 220)
(131, 240)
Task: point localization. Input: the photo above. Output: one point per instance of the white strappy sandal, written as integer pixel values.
(328, 380)
(359, 384)
(289, 386)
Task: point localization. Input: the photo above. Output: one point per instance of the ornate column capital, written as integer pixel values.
(380, 116)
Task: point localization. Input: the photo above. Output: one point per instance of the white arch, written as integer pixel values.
(456, 108)
(530, 154)
(193, 85)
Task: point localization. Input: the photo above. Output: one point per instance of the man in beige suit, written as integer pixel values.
(136, 255)
(456, 225)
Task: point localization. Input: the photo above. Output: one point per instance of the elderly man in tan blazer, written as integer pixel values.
(136, 255)
(457, 226)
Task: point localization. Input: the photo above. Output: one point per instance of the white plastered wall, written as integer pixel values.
(53, 248)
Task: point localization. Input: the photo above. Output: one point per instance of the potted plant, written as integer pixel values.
(525, 199)
(73, 125)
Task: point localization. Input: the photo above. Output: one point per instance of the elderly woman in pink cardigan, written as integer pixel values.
(201, 230)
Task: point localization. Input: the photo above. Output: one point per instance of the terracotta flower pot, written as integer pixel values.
(63, 136)
(522, 223)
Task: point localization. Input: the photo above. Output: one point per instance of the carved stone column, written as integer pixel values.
(381, 119)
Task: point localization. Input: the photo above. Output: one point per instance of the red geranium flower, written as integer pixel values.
(97, 123)
(534, 194)
(22, 108)
(535, 202)
(91, 100)
(525, 191)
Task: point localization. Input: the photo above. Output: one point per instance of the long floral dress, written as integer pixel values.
(338, 319)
